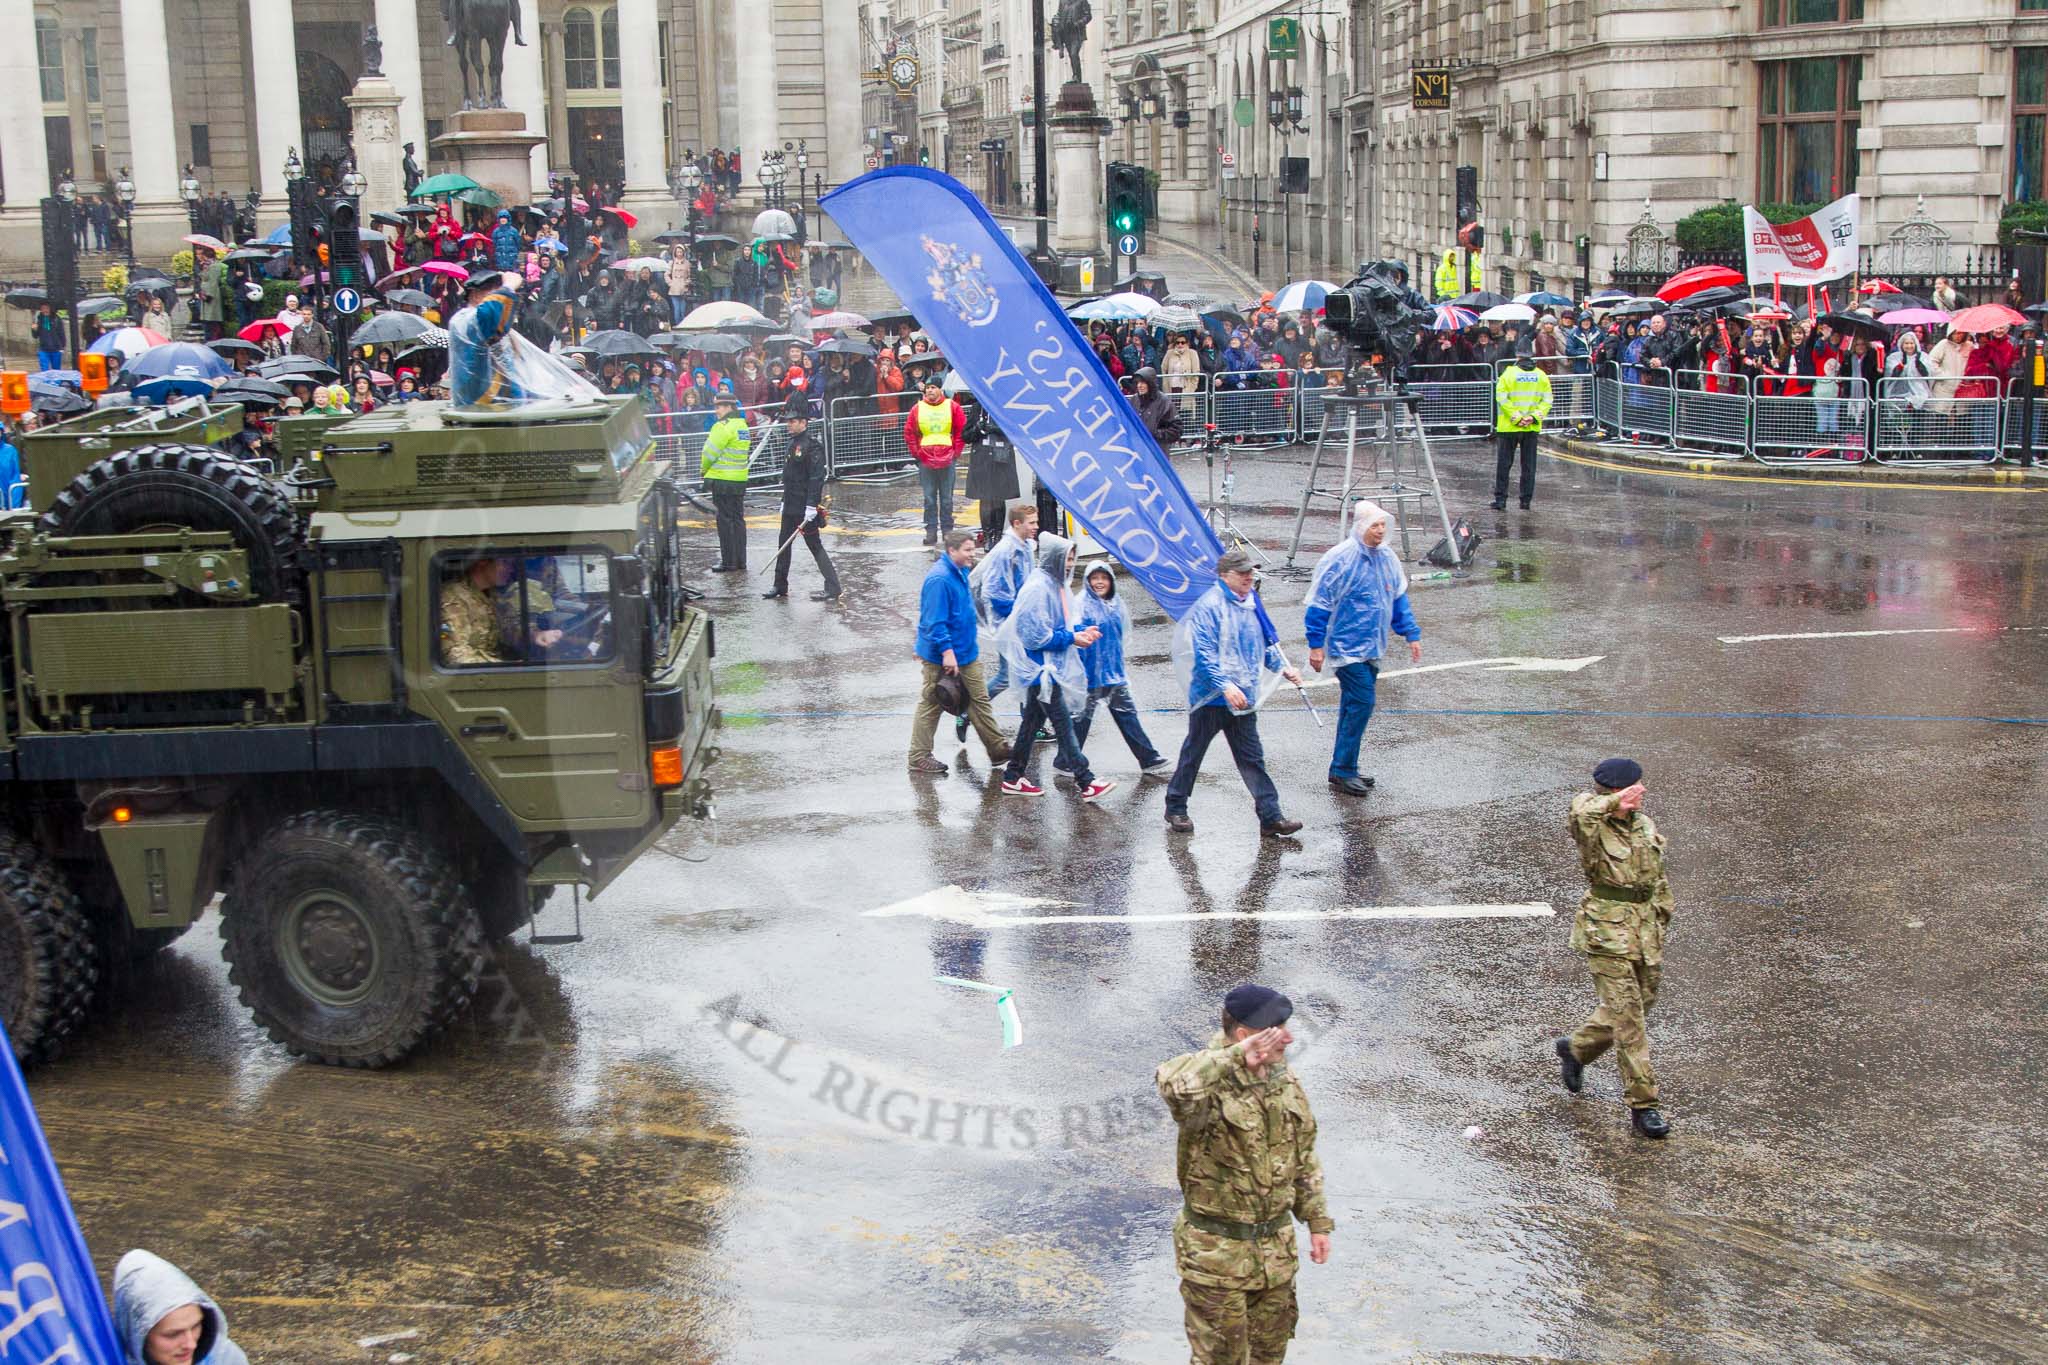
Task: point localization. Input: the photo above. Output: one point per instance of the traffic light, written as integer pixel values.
(344, 244)
(1468, 194)
(1124, 200)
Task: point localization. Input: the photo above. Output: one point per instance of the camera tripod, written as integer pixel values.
(1219, 508)
(1395, 425)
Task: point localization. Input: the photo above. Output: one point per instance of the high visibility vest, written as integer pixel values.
(1447, 277)
(727, 451)
(1478, 280)
(1521, 399)
(935, 425)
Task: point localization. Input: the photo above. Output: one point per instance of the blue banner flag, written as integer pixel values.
(1032, 372)
(51, 1308)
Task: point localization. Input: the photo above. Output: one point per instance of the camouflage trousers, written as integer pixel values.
(1239, 1326)
(1627, 988)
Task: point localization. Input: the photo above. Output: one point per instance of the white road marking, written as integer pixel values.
(1862, 634)
(986, 910)
(1507, 664)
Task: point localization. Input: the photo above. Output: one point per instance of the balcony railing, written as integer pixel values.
(994, 52)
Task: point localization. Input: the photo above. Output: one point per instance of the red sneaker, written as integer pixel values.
(1097, 789)
(1023, 786)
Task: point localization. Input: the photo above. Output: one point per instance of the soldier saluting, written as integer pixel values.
(1247, 1167)
(1620, 930)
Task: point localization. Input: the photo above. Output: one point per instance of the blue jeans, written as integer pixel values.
(1124, 712)
(1039, 710)
(49, 360)
(938, 498)
(678, 304)
(1242, 734)
(1357, 685)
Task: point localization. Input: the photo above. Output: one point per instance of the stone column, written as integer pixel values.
(27, 166)
(843, 126)
(642, 117)
(1075, 132)
(273, 48)
(555, 62)
(376, 110)
(398, 29)
(760, 96)
(152, 126)
(524, 91)
(83, 173)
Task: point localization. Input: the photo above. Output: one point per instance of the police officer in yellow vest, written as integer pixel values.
(727, 452)
(1521, 400)
(1447, 278)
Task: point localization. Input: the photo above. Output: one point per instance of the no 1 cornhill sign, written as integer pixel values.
(1429, 87)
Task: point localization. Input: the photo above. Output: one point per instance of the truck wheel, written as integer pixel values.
(350, 941)
(47, 970)
(186, 485)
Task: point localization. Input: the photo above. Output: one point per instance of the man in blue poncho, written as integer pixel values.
(1224, 651)
(1357, 601)
(1043, 650)
(475, 378)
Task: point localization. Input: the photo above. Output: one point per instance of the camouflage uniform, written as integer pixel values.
(1248, 1168)
(469, 626)
(506, 601)
(1620, 929)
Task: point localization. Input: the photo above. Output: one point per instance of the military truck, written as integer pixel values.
(383, 695)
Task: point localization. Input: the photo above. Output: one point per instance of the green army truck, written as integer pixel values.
(382, 698)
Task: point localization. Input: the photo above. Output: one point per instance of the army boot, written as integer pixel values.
(1649, 1123)
(1570, 1069)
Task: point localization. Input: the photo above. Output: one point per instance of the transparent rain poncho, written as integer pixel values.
(996, 580)
(1044, 612)
(1359, 588)
(492, 367)
(1103, 660)
(1226, 639)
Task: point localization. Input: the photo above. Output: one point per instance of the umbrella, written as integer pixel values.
(127, 342)
(445, 183)
(672, 237)
(723, 315)
(207, 240)
(448, 268)
(1125, 307)
(776, 237)
(291, 368)
(832, 322)
(1715, 297)
(409, 298)
(1482, 298)
(387, 218)
(614, 343)
(631, 220)
(281, 235)
(1608, 296)
(177, 358)
(640, 263)
(1175, 318)
(709, 345)
(772, 221)
(71, 377)
(1635, 308)
(405, 272)
(261, 390)
(1856, 325)
(233, 346)
(389, 329)
(1509, 312)
(1689, 282)
(263, 329)
(1984, 317)
(1452, 319)
(1543, 298)
(1893, 301)
(1914, 317)
(173, 386)
(705, 239)
(415, 210)
(28, 296)
(99, 303)
(1879, 287)
(1302, 296)
(479, 197)
(422, 357)
(843, 346)
(890, 319)
(54, 400)
(910, 361)
(251, 253)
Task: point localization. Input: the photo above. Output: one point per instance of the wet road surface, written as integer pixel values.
(743, 1124)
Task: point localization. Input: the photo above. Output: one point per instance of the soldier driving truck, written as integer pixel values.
(382, 701)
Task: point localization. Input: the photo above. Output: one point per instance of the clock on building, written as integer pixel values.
(903, 72)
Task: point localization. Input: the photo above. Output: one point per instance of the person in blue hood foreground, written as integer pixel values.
(1043, 652)
(1357, 603)
(1228, 661)
(1108, 683)
(163, 1318)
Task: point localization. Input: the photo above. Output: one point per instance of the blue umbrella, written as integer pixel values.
(178, 358)
(281, 235)
(1543, 298)
(173, 386)
(71, 377)
(1302, 296)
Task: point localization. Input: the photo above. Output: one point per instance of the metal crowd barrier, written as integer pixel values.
(1571, 402)
(1193, 405)
(1799, 429)
(2014, 429)
(1717, 420)
(862, 439)
(679, 443)
(1312, 385)
(1607, 399)
(1266, 413)
(1648, 411)
(1449, 400)
(1915, 427)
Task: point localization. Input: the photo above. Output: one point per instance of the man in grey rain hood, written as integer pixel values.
(163, 1318)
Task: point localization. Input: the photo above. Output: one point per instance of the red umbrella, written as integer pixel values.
(628, 219)
(1984, 317)
(1689, 282)
(1880, 287)
(477, 237)
(263, 329)
(445, 268)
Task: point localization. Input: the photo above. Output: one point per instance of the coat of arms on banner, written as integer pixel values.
(957, 279)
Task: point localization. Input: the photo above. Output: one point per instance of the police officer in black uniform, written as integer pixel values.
(803, 484)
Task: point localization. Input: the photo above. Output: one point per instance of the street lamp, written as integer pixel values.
(353, 181)
(294, 169)
(1276, 108)
(803, 167)
(1297, 107)
(1151, 107)
(188, 190)
(684, 181)
(124, 191)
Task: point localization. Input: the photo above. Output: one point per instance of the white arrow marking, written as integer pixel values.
(1507, 664)
(981, 910)
(1860, 634)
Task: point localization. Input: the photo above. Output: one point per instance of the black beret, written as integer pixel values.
(1618, 773)
(1257, 1007)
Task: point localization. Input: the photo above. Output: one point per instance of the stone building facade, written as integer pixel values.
(623, 89)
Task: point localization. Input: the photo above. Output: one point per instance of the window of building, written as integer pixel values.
(662, 29)
(579, 49)
(50, 60)
(202, 144)
(1806, 145)
(90, 41)
(609, 26)
(2029, 122)
(1778, 13)
(2033, 4)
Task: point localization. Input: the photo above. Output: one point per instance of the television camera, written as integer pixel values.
(1379, 316)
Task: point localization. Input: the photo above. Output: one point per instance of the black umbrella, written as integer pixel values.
(54, 400)
(417, 210)
(912, 361)
(672, 236)
(422, 357)
(291, 368)
(844, 346)
(1635, 308)
(231, 346)
(890, 319)
(252, 253)
(409, 298)
(614, 344)
(709, 345)
(1480, 300)
(1717, 296)
(28, 296)
(1857, 325)
(716, 239)
(248, 388)
(389, 329)
(100, 303)
(787, 339)
(387, 218)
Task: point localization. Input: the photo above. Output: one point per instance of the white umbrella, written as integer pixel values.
(1303, 295)
(1125, 307)
(1177, 319)
(711, 317)
(1509, 312)
(641, 263)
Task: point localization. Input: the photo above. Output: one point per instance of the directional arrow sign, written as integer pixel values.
(1506, 664)
(995, 910)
